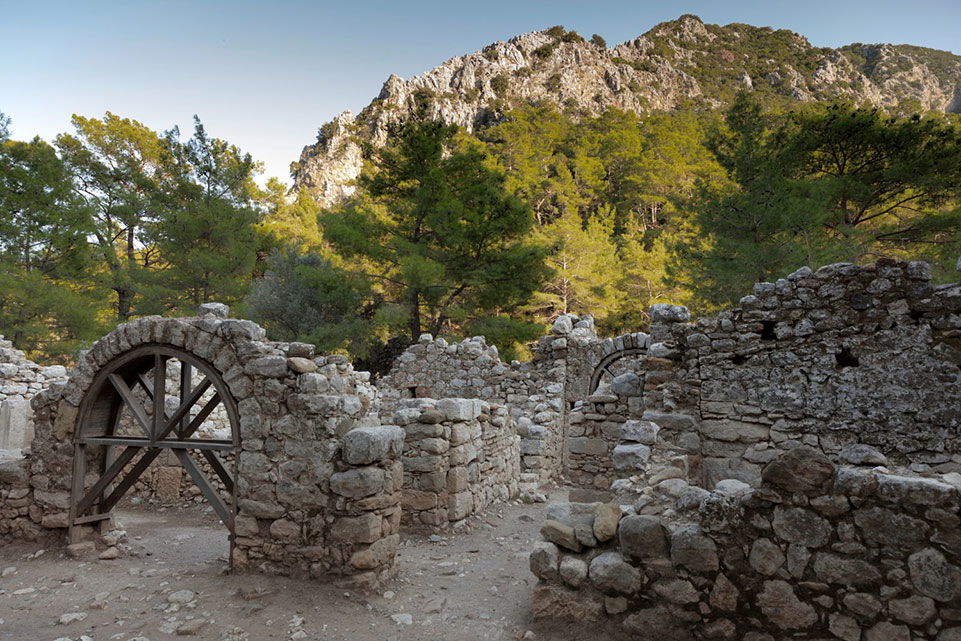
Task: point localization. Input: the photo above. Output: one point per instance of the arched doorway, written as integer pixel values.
(137, 385)
(603, 369)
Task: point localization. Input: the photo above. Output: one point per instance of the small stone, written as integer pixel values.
(7, 571)
(181, 596)
(573, 571)
(72, 617)
(402, 619)
(861, 454)
(544, 560)
(562, 535)
(606, 518)
(802, 469)
(884, 631)
(389, 595)
(615, 605)
(109, 554)
(301, 365)
(781, 605)
(191, 627)
(642, 537)
(80, 550)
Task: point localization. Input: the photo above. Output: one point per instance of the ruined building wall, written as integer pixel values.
(318, 479)
(534, 392)
(460, 456)
(816, 551)
(20, 380)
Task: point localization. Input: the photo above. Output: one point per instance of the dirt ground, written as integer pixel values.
(174, 585)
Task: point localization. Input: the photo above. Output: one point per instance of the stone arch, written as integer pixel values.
(613, 350)
(99, 433)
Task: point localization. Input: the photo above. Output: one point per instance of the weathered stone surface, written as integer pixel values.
(606, 519)
(676, 591)
(631, 456)
(914, 610)
(804, 527)
(573, 571)
(766, 557)
(782, 607)
(693, 550)
(560, 534)
(365, 445)
(610, 573)
(544, 560)
(358, 482)
(550, 602)
(884, 631)
(832, 568)
(643, 537)
(933, 576)
(799, 470)
(644, 432)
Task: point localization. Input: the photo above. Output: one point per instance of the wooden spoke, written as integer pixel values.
(130, 400)
(208, 491)
(131, 478)
(219, 468)
(186, 381)
(183, 411)
(159, 393)
(108, 476)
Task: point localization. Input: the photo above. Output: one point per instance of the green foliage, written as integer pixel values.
(490, 53)
(557, 31)
(46, 301)
(500, 84)
(827, 183)
(304, 297)
(437, 232)
(545, 51)
(572, 36)
(598, 41)
(553, 83)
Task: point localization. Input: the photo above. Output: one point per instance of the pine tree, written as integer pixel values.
(438, 232)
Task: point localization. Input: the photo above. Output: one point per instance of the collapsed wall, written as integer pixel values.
(816, 551)
(20, 380)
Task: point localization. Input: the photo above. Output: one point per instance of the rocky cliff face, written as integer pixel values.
(683, 61)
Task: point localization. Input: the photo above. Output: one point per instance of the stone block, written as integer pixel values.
(365, 528)
(358, 482)
(460, 505)
(16, 428)
(644, 432)
(611, 573)
(544, 560)
(629, 457)
(364, 445)
(459, 409)
(643, 537)
(588, 446)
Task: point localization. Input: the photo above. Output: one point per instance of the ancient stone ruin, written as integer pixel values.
(789, 467)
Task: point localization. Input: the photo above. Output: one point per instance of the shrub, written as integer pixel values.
(500, 84)
(544, 51)
(557, 31)
(598, 41)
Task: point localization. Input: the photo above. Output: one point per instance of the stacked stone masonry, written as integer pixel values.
(460, 456)
(20, 380)
(318, 479)
(817, 551)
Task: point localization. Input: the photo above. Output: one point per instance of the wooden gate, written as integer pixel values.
(100, 440)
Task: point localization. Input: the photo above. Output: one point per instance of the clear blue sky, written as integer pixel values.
(265, 75)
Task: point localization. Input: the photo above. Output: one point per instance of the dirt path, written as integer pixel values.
(470, 586)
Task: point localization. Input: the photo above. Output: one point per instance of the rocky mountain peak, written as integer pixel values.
(675, 62)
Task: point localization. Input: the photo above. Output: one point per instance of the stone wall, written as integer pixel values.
(817, 551)
(460, 455)
(534, 392)
(20, 380)
(317, 477)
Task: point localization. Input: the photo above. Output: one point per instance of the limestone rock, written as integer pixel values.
(643, 537)
(802, 470)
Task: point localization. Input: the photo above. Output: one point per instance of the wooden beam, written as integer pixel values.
(186, 382)
(114, 497)
(168, 443)
(219, 468)
(138, 411)
(184, 409)
(208, 491)
(160, 394)
(115, 468)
